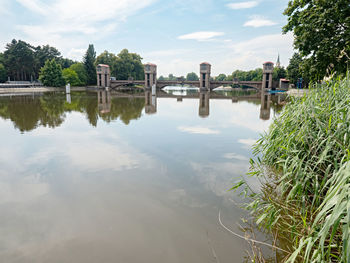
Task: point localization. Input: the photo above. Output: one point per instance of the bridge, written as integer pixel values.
(204, 83)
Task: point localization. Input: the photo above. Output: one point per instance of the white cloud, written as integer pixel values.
(197, 130)
(201, 35)
(242, 5)
(62, 19)
(259, 21)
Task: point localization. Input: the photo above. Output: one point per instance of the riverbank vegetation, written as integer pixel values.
(304, 164)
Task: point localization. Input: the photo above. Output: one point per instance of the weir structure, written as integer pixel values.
(205, 83)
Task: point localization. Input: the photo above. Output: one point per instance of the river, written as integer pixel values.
(116, 177)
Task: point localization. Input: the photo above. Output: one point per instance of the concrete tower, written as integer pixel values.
(204, 72)
(267, 75)
(103, 76)
(150, 75)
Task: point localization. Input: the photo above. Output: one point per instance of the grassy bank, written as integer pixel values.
(304, 165)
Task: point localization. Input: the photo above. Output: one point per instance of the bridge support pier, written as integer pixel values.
(204, 72)
(150, 75)
(103, 76)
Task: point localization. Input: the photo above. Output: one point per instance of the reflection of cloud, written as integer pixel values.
(248, 143)
(235, 156)
(197, 130)
(24, 190)
(219, 177)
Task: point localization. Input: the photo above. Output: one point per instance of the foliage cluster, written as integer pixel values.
(304, 161)
(23, 61)
(123, 66)
(51, 74)
(321, 35)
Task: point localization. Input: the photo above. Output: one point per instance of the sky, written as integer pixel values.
(177, 35)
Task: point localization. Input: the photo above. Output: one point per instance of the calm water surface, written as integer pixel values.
(100, 177)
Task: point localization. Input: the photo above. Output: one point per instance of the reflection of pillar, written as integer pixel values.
(104, 101)
(267, 76)
(204, 72)
(265, 106)
(68, 98)
(204, 104)
(150, 102)
(150, 75)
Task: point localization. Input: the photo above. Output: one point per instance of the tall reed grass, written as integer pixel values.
(304, 162)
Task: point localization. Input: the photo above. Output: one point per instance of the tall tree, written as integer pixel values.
(279, 73)
(294, 69)
(89, 64)
(51, 74)
(129, 65)
(44, 53)
(192, 77)
(71, 77)
(3, 73)
(109, 59)
(221, 77)
(19, 60)
(321, 34)
(80, 70)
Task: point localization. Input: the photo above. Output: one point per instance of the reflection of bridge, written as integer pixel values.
(164, 83)
(204, 82)
(105, 99)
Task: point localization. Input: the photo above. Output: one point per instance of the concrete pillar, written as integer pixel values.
(204, 73)
(204, 103)
(103, 76)
(150, 75)
(267, 76)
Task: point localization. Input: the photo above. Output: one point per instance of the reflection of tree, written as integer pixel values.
(52, 106)
(28, 112)
(125, 109)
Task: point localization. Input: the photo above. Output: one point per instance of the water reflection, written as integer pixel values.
(28, 112)
(96, 190)
(204, 97)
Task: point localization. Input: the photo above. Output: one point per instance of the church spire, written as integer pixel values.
(278, 63)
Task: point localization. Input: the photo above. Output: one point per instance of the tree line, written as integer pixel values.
(23, 62)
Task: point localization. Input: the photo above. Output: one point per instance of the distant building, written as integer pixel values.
(278, 63)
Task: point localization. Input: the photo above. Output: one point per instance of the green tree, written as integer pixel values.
(279, 73)
(3, 74)
(192, 77)
(89, 64)
(42, 54)
(80, 70)
(221, 77)
(51, 74)
(65, 62)
(128, 65)
(108, 59)
(321, 34)
(161, 78)
(70, 76)
(294, 69)
(19, 60)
